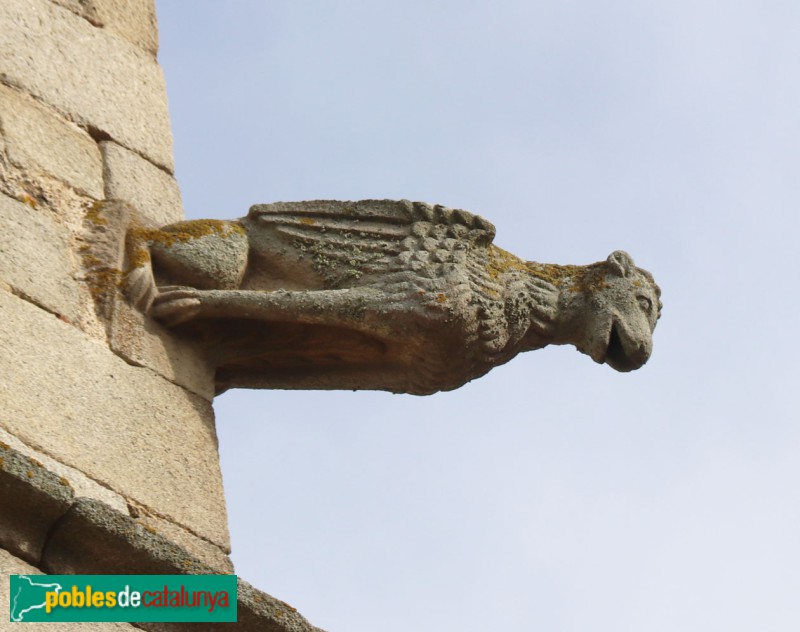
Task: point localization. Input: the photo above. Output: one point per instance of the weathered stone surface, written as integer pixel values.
(83, 8)
(124, 426)
(81, 484)
(144, 342)
(210, 555)
(139, 340)
(260, 611)
(151, 191)
(134, 20)
(34, 258)
(10, 565)
(32, 499)
(37, 140)
(378, 294)
(92, 538)
(97, 78)
(102, 253)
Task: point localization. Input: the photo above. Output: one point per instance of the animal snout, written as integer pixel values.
(644, 350)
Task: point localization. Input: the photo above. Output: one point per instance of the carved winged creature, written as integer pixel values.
(378, 294)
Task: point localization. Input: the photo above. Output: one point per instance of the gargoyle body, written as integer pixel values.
(378, 294)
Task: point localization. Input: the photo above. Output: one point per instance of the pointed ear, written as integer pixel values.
(621, 263)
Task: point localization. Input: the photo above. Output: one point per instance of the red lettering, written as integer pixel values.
(155, 602)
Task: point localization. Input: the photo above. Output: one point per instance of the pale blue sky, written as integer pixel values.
(553, 494)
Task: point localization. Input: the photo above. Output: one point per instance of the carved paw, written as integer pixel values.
(140, 288)
(175, 305)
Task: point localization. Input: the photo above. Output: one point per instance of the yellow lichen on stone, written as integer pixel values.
(181, 232)
(549, 272)
(138, 254)
(29, 200)
(93, 214)
(591, 280)
(501, 261)
(196, 228)
(100, 278)
(584, 279)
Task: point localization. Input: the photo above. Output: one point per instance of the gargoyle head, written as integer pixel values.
(622, 307)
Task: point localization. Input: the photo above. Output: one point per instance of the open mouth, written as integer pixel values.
(616, 357)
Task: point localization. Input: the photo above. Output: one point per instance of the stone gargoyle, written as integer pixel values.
(378, 294)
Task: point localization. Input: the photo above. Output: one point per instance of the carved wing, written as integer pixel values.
(347, 240)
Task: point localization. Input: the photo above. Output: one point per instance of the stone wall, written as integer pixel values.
(108, 450)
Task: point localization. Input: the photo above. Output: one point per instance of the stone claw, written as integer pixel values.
(175, 305)
(140, 288)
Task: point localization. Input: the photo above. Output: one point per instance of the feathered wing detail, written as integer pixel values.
(488, 294)
(402, 241)
(442, 257)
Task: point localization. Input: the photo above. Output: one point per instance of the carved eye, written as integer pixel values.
(645, 303)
